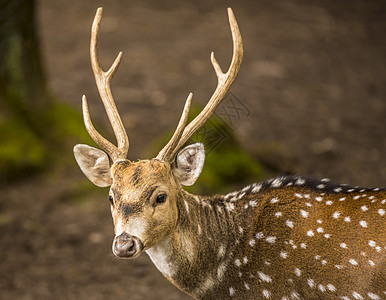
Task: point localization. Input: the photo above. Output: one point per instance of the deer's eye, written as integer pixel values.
(161, 198)
(111, 200)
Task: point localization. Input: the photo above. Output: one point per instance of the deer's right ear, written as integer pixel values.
(189, 163)
(94, 163)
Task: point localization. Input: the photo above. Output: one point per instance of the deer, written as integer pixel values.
(290, 237)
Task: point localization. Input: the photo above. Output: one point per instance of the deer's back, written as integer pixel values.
(298, 238)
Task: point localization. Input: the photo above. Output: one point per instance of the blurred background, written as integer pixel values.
(309, 99)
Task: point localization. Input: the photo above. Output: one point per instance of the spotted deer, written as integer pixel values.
(290, 237)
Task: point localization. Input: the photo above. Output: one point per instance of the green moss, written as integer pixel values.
(28, 146)
(21, 151)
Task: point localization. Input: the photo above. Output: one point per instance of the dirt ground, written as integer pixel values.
(313, 80)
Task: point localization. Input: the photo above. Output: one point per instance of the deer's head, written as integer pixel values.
(144, 194)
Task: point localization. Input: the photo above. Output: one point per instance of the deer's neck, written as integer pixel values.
(195, 255)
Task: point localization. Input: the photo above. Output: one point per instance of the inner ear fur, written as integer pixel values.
(94, 163)
(189, 163)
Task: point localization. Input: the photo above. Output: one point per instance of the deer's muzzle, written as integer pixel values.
(127, 246)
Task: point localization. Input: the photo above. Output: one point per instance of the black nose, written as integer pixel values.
(126, 245)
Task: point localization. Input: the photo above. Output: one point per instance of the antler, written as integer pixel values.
(225, 80)
(103, 80)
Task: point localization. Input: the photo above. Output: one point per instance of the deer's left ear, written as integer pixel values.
(189, 163)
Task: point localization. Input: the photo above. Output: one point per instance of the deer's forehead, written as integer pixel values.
(135, 174)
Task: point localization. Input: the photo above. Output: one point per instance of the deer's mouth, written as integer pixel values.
(127, 246)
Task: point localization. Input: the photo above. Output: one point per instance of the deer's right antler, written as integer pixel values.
(225, 80)
(103, 80)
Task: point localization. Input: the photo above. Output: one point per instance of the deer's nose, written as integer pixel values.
(127, 246)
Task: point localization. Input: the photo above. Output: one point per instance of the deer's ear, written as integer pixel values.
(94, 163)
(189, 163)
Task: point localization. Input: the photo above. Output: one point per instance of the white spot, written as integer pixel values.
(278, 214)
(329, 202)
(237, 262)
(298, 272)
(372, 243)
(356, 197)
(264, 277)
(186, 206)
(319, 199)
(379, 249)
(271, 239)
(300, 181)
(221, 251)
(245, 260)
(336, 215)
(321, 288)
(257, 188)
(331, 287)
(327, 236)
(317, 257)
(274, 200)
(319, 221)
(241, 230)
(311, 283)
(294, 295)
(221, 271)
(357, 296)
(231, 291)
(304, 213)
(347, 219)
(324, 262)
(283, 254)
(303, 245)
(268, 263)
(337, 190)
(343, 245)
(373, 296)
(342, 199)
(297, 195)
(344, 298)
(353, 262)
(371, 263)
(320, 230)
(289, 223)
(350, 190)
(246, 286)
(307, 196)
(309, 204)
(339, 267)
(363, 224)
(266, 294)
(364, 208)
(381, 211)
(253, 203)
(277, 182)
(229, 206)
(259, 235)
(310, 233)
(252, 242)
(321, 186)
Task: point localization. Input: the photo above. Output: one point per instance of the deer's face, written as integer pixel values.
(143, 195)
(143, 200)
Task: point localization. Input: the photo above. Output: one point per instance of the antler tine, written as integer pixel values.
(224, 83)
(168, 150)
(103, 80)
